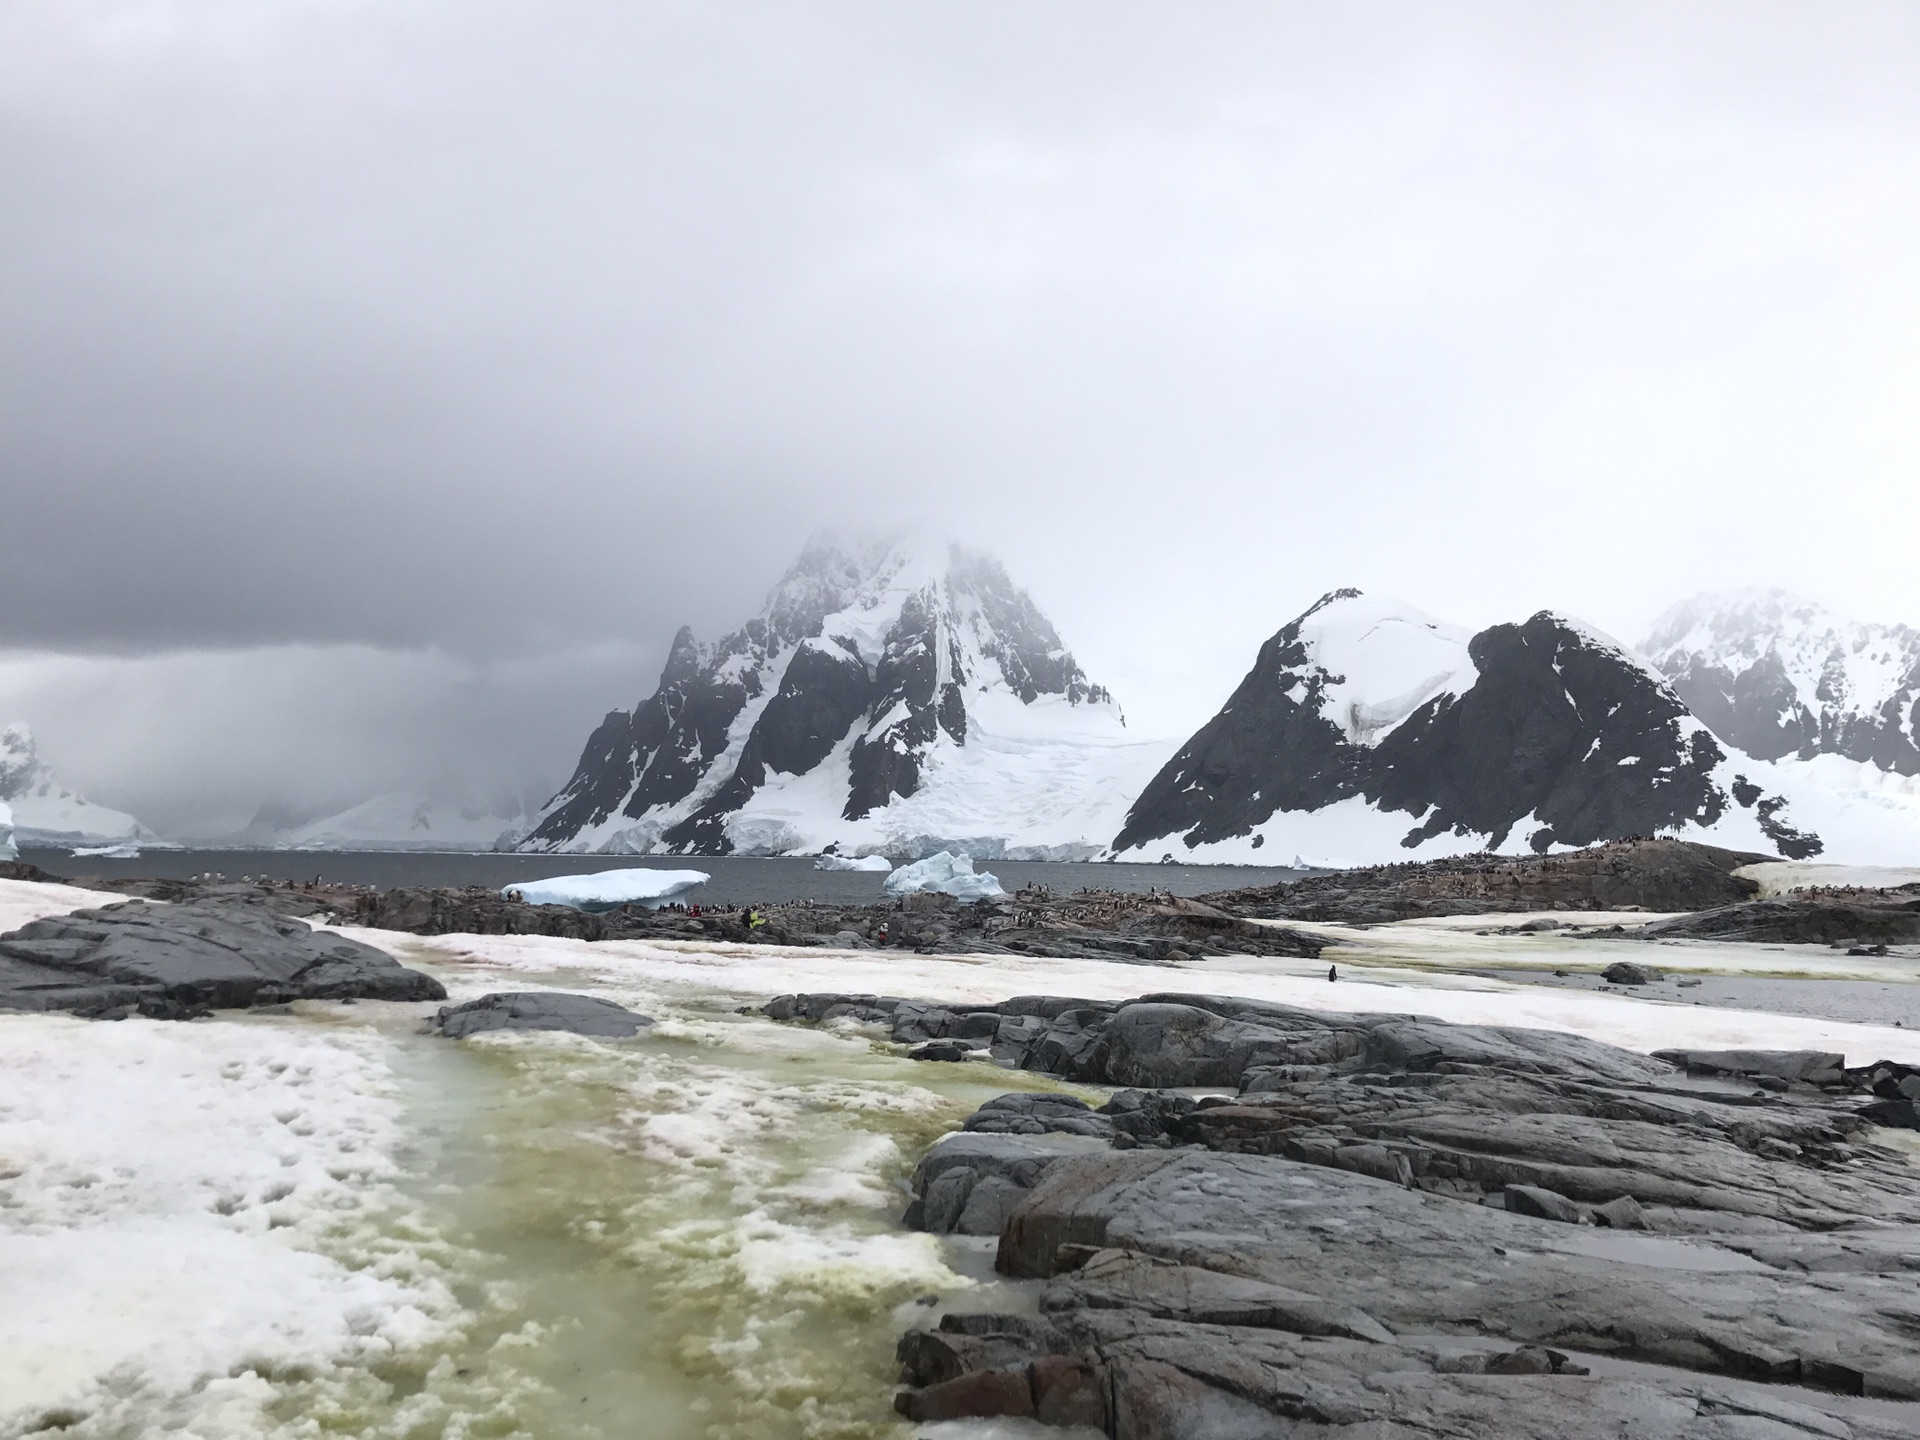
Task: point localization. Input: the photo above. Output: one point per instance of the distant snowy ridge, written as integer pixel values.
(46, 812)
(398, 821)
(1368, 731)
(895, 696)
(1777, 676)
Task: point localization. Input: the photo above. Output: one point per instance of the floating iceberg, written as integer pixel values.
(7, 850)
(878, 864)
(948, 873)
(607, 888)
(128, 851)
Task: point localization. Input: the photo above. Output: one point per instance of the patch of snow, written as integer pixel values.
(185, 1209)
(947, 873)
(1780, 877)
(632, 886)
(764, 970)
(875, 864)
(24, 901)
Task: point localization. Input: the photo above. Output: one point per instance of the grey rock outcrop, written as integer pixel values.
(1405, 1228)
(173, 960)
(540, 1010)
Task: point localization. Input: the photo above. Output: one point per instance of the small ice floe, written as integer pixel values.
(607, 888)
(878, 864)
(125, 850)
(948, 873)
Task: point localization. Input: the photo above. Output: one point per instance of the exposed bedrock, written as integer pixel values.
(540, 1010)
(1399, 1227)
(1895, 921)
(1658, 875)
(171, 961)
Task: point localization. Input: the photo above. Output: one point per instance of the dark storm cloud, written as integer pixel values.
(503, 332)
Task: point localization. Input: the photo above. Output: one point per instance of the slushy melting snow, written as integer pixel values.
(325, 1222)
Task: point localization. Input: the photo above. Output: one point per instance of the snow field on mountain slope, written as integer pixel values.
(1045, 774)
(1387, 659)
(1859, 663)
(1862, 815)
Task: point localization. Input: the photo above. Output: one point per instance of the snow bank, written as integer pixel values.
(947, 873)
(1779, 877)
(878, 864)
(604, 888)
(185, 1205)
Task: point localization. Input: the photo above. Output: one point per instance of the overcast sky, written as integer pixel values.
(383, 381)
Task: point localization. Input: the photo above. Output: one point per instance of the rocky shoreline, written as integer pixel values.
(1383, 1225)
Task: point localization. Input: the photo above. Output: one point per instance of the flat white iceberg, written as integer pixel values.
(948, 873)
(128, 851)
(878, 864)
(605, 888)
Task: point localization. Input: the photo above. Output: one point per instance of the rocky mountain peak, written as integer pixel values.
(1775, 675)
(872, 662)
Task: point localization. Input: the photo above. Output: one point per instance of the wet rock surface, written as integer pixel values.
(1398, 1227)
(540, 1010)
(175, 961)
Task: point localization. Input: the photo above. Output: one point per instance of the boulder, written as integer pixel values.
(539, 1010)
(1626, 972)
(171, 960)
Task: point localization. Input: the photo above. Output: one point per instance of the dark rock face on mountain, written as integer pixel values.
(1659, 875)
(1402, 1227)
(169, 959)
(1541, 723)
(540, 1010)
(1776, 676)
(860, 646)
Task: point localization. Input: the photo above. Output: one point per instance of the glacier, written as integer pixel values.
(49, 813)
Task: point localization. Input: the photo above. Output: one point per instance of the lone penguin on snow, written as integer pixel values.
(1333, 972)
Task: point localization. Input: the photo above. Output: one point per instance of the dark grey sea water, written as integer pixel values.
(735, 880)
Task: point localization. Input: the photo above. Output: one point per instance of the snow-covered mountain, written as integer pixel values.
(46, 812)
(891, 695)
(1774, 675)
(1368, 731)
(400, 820)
